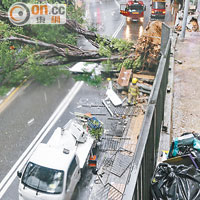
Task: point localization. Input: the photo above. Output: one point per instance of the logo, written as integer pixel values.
(21, 14)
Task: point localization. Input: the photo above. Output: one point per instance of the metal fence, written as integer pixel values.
(144, 161)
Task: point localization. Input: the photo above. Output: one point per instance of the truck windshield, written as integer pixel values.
(43, 179)
(158, 5)
(134, 7)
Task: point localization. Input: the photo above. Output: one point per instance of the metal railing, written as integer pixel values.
(144, 161)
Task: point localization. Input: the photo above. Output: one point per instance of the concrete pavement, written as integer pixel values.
(182, 108)
(186, 103)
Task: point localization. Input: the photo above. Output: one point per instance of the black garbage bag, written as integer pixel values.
(175, 182)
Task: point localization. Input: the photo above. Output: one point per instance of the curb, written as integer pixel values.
(7, 95)
(167, 128)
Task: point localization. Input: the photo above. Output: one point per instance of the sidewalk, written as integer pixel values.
(186, 102)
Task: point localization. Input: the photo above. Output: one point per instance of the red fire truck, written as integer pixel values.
(133, 10)
(158, 9)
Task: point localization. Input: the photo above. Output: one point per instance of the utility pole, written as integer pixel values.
(186, 8)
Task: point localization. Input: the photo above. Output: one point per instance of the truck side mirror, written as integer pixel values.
(19, 174)
(144, 8)
(150, 4)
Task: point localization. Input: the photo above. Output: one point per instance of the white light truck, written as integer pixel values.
(54, 169)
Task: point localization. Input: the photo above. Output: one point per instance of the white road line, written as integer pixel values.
(121, 25)
(117, 3)
(30, 122)
(45, 97)
(119, 28)
(58, 83)
(9, 178)
(10, 91)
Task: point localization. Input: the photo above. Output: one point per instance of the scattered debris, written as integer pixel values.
(191, 26)
(115, 114)
(113, 97)
(83, 67)
(145, 86)
(178, 61)
(104, 103)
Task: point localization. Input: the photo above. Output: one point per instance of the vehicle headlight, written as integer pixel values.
(128, 19)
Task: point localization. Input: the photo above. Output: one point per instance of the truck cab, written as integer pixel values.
(158, 9)
(133, 10)
(54, 169)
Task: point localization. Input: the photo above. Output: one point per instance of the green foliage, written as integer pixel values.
(11, 73)
(123, 46)
(129, 63)
(107, 65)
(4, 90)
(137, 63)
(46, 75)
(97, 133)
(52, 34)
(89, 78)
(104, 49)
(75, 13)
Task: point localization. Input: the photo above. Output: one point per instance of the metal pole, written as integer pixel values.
(185, 19)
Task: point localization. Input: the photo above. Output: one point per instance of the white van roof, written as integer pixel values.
(73, 138)
(51, 157)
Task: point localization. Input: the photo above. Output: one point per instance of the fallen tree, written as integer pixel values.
(53, 53)
(35, 53)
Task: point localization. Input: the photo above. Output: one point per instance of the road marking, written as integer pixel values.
(119, 28)
(117, 3)
(11, 175)
(9, 95)
(45, 97)
(58, 83)
(10, 91)
(30, 122)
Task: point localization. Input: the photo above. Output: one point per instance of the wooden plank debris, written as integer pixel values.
(124, 77)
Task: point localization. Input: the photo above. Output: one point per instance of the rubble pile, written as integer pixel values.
(148, 45)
